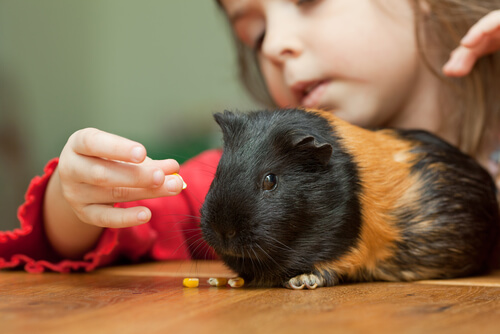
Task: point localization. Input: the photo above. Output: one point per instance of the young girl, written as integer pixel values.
(371, 62)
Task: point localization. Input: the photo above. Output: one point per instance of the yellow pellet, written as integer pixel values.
(236, 282)
(191, 282)
(217, 281)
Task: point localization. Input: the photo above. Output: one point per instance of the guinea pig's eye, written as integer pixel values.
(270, 182)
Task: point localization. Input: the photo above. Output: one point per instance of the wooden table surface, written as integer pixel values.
(149, 298)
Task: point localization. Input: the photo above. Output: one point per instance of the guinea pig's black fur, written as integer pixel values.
(301, 198)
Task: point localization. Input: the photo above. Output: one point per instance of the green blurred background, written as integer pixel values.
(150, 70)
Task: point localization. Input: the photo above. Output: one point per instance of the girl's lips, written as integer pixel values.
(310, 93)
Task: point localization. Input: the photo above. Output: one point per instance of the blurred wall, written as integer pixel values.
(150, 70)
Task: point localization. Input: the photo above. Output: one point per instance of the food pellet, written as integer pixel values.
(217, 281)
(191, 282)
(236, 282)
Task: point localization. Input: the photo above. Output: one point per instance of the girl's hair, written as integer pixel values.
(474, 99)
(439, 27)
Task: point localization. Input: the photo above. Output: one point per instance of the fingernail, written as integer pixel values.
(184, 185)
(455, 64)
(158, 177)
(446, 66)
(449, 66)
(173, 184)
(142, 216)
(137, 154)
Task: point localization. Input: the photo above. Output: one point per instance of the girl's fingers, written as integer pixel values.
(105, 215)
(168, 166)
(487, 25)
(107, 173)
(111, 217)
(482, 38)
(461, 62)
(96, 143)
(173, 186)
(91, 194)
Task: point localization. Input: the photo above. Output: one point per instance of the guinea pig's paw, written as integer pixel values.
(308, 281)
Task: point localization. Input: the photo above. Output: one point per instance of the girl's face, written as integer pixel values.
(356, 58)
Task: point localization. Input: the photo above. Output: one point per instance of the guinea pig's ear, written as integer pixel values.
(320, 151)
(227, 121)
(221, 118)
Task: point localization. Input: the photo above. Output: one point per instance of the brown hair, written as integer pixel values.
(474, 99)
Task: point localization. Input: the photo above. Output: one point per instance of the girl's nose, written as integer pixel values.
(281, 39)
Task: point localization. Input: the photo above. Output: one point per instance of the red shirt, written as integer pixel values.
(172, 233)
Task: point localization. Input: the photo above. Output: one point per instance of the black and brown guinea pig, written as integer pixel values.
(303, 199)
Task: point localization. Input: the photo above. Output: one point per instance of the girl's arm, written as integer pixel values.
(96, 170)
(173, 231)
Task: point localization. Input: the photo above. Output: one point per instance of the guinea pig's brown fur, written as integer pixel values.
(384, 171)
(385, 162)
(426, 209)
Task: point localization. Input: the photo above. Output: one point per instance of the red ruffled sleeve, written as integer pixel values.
(172, 233)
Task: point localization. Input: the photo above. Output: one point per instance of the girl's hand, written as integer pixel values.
(482, 39)
(97, 169)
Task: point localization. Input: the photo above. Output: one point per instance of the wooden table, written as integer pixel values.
(149, 298)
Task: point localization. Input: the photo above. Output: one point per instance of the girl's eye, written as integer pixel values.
(303, 2)
(258, 43)
(270, 182)
(250, 30)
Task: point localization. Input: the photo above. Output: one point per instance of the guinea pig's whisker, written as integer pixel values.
(194, 218)
(256, 266)
(278, 244)
(183, 244)
(276, 247)
(251, 259)
(188, 240)
(188, 220)
(174, 233)
(206, 172)
(260, 265)
(206, 255)
(199, 251)
(193, 195)
(269, 256)
(176, 214)
(199, 243)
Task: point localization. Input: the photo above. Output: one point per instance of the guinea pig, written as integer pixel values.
(301, 199)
